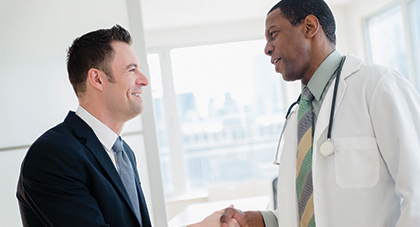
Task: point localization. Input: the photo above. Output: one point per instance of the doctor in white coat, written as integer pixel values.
(373, 176)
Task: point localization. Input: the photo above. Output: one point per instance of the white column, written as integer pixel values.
(157, 208)
(172, 124)
(409, 42)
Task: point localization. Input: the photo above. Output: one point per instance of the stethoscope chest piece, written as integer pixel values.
(327, 148)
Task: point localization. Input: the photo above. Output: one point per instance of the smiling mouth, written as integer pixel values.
(136, 94)
(276, 60)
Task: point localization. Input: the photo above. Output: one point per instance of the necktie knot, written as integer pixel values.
(307, 94)
(118, 145)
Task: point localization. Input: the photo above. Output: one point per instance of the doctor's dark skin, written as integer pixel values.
(296, 52)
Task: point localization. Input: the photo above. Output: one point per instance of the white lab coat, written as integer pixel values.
(373, 178)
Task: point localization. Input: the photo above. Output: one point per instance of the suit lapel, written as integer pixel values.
(83, 131)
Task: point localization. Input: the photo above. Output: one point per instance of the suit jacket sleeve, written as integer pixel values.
(52, 189)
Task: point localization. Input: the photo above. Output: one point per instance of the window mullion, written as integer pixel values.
(408, 42)
(172, 124)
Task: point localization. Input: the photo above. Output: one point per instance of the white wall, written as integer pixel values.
(35, 93)
(34, 38)
(9, 171)
(254, 29)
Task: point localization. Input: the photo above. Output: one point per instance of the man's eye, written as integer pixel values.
(272, 34)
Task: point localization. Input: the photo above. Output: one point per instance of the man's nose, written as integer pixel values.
(142, 79)
(268, 50)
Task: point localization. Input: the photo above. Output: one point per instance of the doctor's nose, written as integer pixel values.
(268, 50)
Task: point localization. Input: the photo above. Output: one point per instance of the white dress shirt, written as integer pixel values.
(105, 135)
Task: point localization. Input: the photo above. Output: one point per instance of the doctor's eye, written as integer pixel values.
(273, 34)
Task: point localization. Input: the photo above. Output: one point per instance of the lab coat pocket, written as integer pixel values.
(356, 162)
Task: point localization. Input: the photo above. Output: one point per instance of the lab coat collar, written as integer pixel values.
(351, 65)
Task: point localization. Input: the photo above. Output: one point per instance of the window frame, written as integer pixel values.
(408, 35)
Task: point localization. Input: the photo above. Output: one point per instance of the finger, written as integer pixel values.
(231, 206)
(234, 223)
(227, 215)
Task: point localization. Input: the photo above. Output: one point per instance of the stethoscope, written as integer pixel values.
(327, 148)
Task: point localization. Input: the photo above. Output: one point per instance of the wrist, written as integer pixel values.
(255, 219)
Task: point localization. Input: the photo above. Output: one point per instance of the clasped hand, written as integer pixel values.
(229, 217)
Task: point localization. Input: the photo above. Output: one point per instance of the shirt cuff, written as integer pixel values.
(270, 219)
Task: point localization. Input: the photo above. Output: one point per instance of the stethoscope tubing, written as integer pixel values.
(334, 100)
(289, 112)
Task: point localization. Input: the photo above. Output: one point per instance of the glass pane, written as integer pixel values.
(157, 93)
(386, 41)
(415, 27)
(231, 111)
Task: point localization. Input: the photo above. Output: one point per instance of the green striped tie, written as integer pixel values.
(304, 187)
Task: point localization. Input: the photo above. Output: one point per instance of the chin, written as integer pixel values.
(287, 79)
(133, 114)
(138, 111)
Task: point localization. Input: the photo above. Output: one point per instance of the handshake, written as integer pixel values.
(231, 217)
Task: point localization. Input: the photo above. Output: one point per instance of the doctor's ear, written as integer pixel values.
(312, 26)
(96, 78)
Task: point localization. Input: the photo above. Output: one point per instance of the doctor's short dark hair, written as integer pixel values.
(93, 50)
(297, 10)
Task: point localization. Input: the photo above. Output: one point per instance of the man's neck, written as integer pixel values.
(103, 117)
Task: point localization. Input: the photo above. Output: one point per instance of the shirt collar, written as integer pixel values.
(105, 135)
(323, 74)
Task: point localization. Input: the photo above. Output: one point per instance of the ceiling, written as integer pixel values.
(163, 14)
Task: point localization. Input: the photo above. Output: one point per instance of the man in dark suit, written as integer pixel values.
(74, 175)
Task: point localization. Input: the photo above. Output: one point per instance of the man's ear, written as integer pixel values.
(312, 26)
(95, 79)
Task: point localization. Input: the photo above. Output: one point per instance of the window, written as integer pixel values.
(230, 108)
(387, 41)
(157, 93)
(415, 27)
(393, 43)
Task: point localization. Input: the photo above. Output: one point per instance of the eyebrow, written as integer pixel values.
(131, 65)
(268, 30)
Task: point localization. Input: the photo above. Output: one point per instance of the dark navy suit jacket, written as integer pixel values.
(68, 179)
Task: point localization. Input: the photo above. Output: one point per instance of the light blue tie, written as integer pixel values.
(125, 169)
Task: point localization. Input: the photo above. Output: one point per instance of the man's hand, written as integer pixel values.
(231, 214)
(244, 219)
(213, 220)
